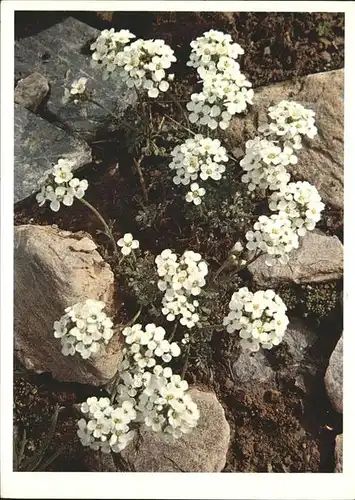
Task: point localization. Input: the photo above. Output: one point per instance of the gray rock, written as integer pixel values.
(321, 161)
(299, 339)
(334, 377)
(319, 258)
(31, 91)
(60, 53)
(300, 366)
(38, 144)
(338, 453)
(249, 369)
(51, 273)
(204, 450)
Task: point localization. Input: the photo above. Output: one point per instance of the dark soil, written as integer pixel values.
(284, 430)
(278, 46)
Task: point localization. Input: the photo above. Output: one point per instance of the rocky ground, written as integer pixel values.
(276, 412)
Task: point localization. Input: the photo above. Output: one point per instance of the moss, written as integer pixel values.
(321, 299)
(317, 300)
(290, 296)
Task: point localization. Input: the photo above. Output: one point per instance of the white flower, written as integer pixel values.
(143, 65)
(264, 165)
(259, 317)
(78, 86)
(289, 121)
(106, 47)
(128, 244)
(301, 203)
(106, 426)
(59, 186)
(181, 280)
(224, 88)
(274, 236)
(198, 157)
(84, 328)
(148, 393)
(195, 193)
(237, 247)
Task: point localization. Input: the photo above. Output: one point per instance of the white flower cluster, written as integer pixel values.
(84, 328)
(264, 164)
(224, 88)
(162, 401)
(76, 92)
(198, 157)
(107, 46)
(181, 280)
(60, 186)
(148, 393)
(106, 426)
(301, 203)
(298, 204)
(127, 244)
(274, 236)
(143, 64)
(259, 317)
(290, 120)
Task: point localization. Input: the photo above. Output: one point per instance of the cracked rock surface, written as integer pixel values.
(53, 270)
(321, 161)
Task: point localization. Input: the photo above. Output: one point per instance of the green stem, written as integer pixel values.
(108, 231)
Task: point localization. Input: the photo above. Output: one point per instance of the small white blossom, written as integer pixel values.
(224, 88)
(105, 427)
(84, 328)
(59, 186)
(195, 194)
(143, 64)
(198, 157)
(274, 236)
(77, 91)
(181, 280)
(301, 203)
(289, 122)
(259, 317)
(106, 47)
(264, 164)
(128, 244)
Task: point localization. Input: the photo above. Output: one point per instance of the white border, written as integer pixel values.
(167, 485)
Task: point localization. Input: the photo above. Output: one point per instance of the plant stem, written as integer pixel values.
(105, 109)
(140, 100)
(182, 126)
(134, 319)
(256, 256)
(141, 177)
(221, 268)
(173, 332)
(108, 231)
(186, 362)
